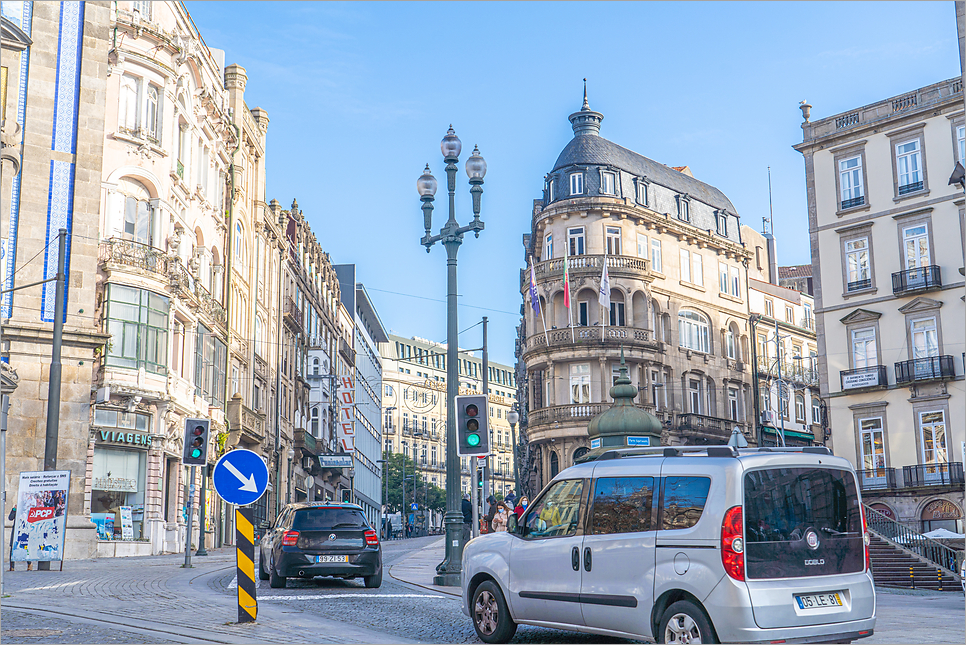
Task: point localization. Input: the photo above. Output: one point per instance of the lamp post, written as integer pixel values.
(513, 417)
(451, 236)
(288, 487)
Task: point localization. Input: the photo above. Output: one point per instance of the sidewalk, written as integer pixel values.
(155, 597)
(420, 568)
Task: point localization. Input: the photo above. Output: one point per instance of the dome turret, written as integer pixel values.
(586, 121)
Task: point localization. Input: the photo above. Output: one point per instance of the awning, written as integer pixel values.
(794, 434)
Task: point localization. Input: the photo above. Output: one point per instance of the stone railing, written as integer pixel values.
(618, 266)
(244, 419)
(577, 411)
(595, 336)
(118, 252)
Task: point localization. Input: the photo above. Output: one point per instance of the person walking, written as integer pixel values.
(491, 511)
(510, 499)
(521, 507)
(466, 506)
(13, 519)
(500, 518)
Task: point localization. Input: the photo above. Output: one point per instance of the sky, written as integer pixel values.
(359, 95)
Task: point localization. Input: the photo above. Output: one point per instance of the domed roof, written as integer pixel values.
(623, 417)
(588, 148)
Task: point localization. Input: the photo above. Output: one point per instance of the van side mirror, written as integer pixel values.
(511, 523)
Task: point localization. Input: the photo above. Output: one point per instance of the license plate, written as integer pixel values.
(331, 558)
(819, 600)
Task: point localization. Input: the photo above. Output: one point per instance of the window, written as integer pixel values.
(769, 309)
(617, 314)
(735, 282)
(576, 183)
(909, 166)
(143, 8)
(762, 347)
(816, 411)
(152, 121)
(642, 249)
(731, 345)
(556, 514)
(799, 408)
(684, 209)
(239, 242)
(582, 313)
(613, 235)
(925, 340)
(656, 256)
(137, 321)
(405, 422)
(210, 353)
(642, 192)
(260, 338)
(693, 329)
(850, 182)
(658, 395)
(721, 223)
(733, 403)
(551, 194)
(961, 143)
(234, 379)
(694, 395)
(138, 217)
(608, 183)
(783, 401)
(932, 436)
(622, 505)
(128, 113)
(916, 246)
(697, 272)
(722, 277)
(789, 314)
(685, 265)
(857, 264)
(315, 421)
(575, 239)
(548, 247)
(684, 500)
(580, 383)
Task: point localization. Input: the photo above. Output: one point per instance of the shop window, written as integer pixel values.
(118, 482)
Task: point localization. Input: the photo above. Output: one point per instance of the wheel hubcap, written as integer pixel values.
(486, 612)
(682, 629)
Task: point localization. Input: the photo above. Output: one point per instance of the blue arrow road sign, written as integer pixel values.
(240, 477)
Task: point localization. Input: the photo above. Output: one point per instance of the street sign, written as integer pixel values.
(414, 506)
(240, 477)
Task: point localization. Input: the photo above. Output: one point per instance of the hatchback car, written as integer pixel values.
(312, 539)
(683, 545)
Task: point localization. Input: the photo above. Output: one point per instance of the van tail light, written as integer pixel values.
(733, 543)
(372, 538)
(866, 539)
(290, 538)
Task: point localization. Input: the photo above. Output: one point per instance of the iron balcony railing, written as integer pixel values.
(925, 369)
(910, 188)
(901, 535)
(877, 478)
(852, 203)
(944, 474)
(862, 377)
(128, 253)
(857, 285)
(918, 279)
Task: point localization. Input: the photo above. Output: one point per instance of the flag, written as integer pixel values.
(534, 299)
(604, 296)
(566, 282)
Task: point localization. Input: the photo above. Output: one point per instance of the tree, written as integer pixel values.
(427, 495)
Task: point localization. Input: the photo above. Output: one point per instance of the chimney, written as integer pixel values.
(772, 258)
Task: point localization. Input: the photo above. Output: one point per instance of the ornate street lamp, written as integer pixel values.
(451, 235)
(513, 417)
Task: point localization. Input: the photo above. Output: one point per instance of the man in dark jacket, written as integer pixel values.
(491, 500)
(467, 507)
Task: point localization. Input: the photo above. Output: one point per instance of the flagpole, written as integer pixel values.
(570, 309)
(536, 302)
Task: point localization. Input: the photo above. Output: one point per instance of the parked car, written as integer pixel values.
(683, 545)
(312, 539)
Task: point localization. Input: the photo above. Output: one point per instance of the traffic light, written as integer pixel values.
(195, 442)
(480, 477)
(472, 432)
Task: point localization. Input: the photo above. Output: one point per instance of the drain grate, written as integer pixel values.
(31, 633)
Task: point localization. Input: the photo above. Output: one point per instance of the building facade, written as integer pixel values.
(414, 403)
(887, 237)
(678, 301)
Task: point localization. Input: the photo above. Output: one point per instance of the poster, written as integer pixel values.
(127, 523)
(41, 516)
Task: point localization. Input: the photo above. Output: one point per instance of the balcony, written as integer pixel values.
(575, 412)
(248, 422)
(931, 368)
(305, 441)
(118, 253)
(597, 336)
(910, 188)
(877, 479)
(293, 315)
(184, 284)
(864, 377)
(618, 266)
(915, 280)
(705, 426)
(346, 351)
(940, 474)
(859, 285)
(852, 203)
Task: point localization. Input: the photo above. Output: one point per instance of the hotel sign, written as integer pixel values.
(347, 403)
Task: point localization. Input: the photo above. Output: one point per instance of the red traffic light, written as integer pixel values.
(472, 410)
(198, 431)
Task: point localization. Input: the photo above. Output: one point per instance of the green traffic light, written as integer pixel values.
(196, 453)
(473, 440)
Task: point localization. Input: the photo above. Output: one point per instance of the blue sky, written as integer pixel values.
(360, 94)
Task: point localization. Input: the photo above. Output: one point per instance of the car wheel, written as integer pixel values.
(373, 581)
(262, 575)
(275, 581)
(491, 617)
(685, 622)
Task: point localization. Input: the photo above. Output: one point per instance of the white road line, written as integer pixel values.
(234, 582)
(359, 596)
(57, 586)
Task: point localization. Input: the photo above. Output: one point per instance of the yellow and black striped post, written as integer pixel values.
(245, 560)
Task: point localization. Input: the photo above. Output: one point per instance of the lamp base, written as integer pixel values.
(448, 580)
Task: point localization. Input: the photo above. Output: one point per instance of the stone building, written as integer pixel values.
(797, 277)
(886, 228)
(678, 300)
(55, 70)
(414, 401)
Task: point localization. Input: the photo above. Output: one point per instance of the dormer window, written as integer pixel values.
(642, 192)
(608, 183)
(577, 183)
(550, 192)
(721, 223)
(684, 208)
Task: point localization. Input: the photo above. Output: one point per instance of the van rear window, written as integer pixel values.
(801, 522)
(327, 519)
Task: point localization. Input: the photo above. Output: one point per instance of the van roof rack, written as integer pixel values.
(710, 451)
(817, 450)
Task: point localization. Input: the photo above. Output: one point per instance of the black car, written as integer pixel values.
(320, 539)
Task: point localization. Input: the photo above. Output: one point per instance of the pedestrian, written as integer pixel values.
(500, 518)
(466, 506)
(521, 507)
(12, 517)
(491, 511)
(510, 499)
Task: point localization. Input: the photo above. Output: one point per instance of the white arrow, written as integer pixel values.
(248, 484)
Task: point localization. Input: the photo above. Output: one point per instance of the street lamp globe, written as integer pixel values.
(291, 454)
(451, 145)
(512, 417)
(426, 184)
(475, 166)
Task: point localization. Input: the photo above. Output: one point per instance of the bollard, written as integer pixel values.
(245, 564)
(940, 571)
(912, 578)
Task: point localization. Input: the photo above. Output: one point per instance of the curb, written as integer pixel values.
(443, 590)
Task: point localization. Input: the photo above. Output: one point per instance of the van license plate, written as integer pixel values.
(819, 600)
(331, 558)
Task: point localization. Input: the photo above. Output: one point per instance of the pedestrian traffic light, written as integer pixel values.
(195, 442)
(472, 433)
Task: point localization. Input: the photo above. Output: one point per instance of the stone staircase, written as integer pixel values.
(895, 567)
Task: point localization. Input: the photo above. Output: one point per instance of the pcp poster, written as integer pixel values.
(41, 521)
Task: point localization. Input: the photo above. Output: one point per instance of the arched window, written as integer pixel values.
(580, 452)
(239, 243)
(152, 122)
(260, 337)
(315, 421)
(799, 408)
(694, 331)
(137, 215)
(315, 367)
(554, 465)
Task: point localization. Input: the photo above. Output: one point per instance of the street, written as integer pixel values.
(154, 600)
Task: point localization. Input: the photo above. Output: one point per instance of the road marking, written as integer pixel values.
(359, 596)
(234, 582)
(57, 586)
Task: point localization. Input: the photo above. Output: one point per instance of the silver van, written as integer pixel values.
(683, 545)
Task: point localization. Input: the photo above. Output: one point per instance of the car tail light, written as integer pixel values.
(733, 544)
(372, 538)
(290, 538)
(866, 539)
